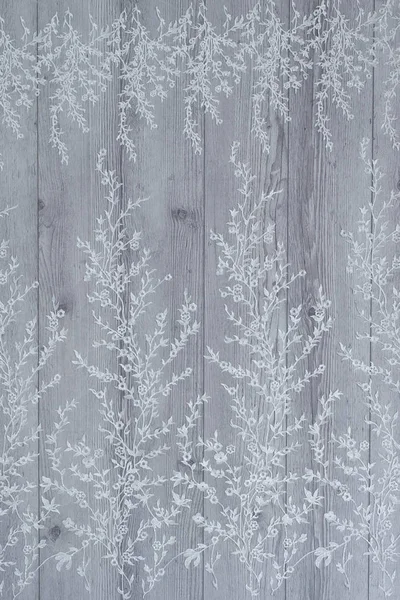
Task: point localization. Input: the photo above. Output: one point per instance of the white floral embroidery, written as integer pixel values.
(254, 497)
(126, 512)
(211, 59)
(376, 475)
(255, 508)
(20, 364)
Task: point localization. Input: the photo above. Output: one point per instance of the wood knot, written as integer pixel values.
(184, 465)
(64, 307)
(180, 213)
(54, 533)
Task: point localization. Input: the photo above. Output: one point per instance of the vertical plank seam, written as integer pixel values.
(38, 302)
(316, 178)
(121, 191)
(202, 344)
(370, 301)
(287, 254)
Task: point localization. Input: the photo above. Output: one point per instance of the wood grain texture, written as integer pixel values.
(388, 160)
(172, 221)
(322, 201)
(19, 190)
(70, 199)
(188, 195)
(221, 195)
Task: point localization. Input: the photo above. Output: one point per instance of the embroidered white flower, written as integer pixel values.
(79, 68)
(21, 362)
(129, 399)
(253, 504)
(379, 308)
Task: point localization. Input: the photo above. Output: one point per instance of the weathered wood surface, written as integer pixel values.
(382, 151)
(190, 194)
(221, 196)
(19, 190)
(323, 201)
(70, 198)
(172, 221)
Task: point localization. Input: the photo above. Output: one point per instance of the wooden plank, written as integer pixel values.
(18, 188)
(70, 199)
(221, 196)
(323, 200)
(170, 174)
(382, 150)
(189, 194)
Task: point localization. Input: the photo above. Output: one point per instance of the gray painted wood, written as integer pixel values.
(322, 201)
(19, 182)
(190, 194)
(18, 189)
(70, 199)
(221, 195)
(172, 221)
(382, 151)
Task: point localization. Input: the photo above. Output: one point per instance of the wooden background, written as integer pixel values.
(189, 195)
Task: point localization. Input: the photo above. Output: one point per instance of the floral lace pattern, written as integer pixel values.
(78, 67)
(157, 489)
